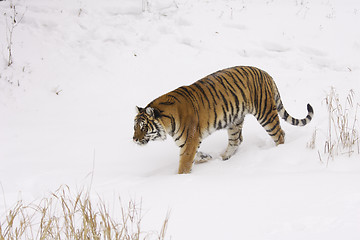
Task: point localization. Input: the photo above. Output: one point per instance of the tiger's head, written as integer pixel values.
(147, 126)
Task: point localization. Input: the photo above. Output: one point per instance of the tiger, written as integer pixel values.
(220, 100)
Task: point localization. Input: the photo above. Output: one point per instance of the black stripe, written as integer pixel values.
(261, 115)
(258, 89)
(286, 115)
(241, 89)
(272, 129)
(253, 92)
(225, 101)
(266, 116)
(172, 96)
(219, 78)
(277, 140)
(172, 120)
(235, 133)
(219, 125)
(242, 76)
(187, 135)
(245, 72)
(265, 88)
(197, 93)
(251, 72)
(215, 117)
(179, 92)
(192, 98)
(166, 103)
(178, 138)
(196, 84)
(230, 75)
(225, 115)
(309, 108)
(212, 95)
(274, 134)
(232, 109)
(189, 94)
(295, 121)
(270, 120)
(212, 85)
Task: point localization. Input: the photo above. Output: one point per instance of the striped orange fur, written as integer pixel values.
(220, 100)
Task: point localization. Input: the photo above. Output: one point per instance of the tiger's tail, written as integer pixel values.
(286, 116)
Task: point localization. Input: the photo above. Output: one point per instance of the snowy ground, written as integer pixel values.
(67, 105)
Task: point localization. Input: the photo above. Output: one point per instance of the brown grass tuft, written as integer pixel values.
(64, 215)
(343, 132)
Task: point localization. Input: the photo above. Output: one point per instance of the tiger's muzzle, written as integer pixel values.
(140, 141)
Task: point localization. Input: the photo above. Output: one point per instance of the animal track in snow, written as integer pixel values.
(275, 47)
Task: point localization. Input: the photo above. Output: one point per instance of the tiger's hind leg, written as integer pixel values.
(235, 139)
(273, 128)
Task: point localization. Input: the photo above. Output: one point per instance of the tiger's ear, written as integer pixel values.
(139, 109)
(152, 112)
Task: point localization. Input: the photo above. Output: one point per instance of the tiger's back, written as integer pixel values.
(221, 100)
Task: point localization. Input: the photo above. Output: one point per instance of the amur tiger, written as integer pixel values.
(220, 100)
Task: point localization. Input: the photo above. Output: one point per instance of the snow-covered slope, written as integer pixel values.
(67, 105)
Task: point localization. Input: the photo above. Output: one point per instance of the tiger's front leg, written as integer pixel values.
(187, 156)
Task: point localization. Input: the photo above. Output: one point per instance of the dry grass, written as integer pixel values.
(12, 21)
(64, 215)
(343, 132)
(311, 144)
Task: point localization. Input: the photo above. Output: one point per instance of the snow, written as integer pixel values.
(67, 105)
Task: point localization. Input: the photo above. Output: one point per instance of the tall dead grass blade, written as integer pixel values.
(343, 129)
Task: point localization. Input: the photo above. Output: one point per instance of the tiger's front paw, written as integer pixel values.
(184, 170)
(185, 167)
